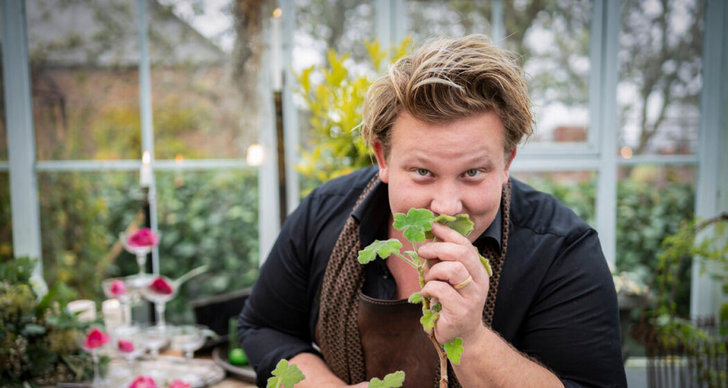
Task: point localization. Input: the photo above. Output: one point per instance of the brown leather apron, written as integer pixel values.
(393, 339)
(352, 332)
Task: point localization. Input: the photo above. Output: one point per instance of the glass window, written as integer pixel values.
(6, 225)
(431, 19)
(551, 38)
(198, 111)
(340, 25)
(575, 189)
(652, 201)
(81, 216)
(207, 218)
(83, 62)
(659, 87)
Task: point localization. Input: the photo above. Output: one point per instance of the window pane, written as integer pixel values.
(6, 225)
(432, 19)
(84, 79)
(81, 215)
(204, 218)
(341, 25)
(576, 189)
(3, 129)
(652, 201)
(659, 87)
(552, 40)
(198, 111)
(208, 218)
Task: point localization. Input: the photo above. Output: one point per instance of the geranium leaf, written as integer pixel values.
(392, 380)
(454, 350)
(416, 297)
(486, 264)
(460, 223)
(428, 320)
(414, 224)
(285, 375)
(414, 234)
(379, 248)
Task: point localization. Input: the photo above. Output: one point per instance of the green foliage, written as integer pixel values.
(37, 333)
(205, 218)
(707, 242)
(285, 375)
(334, 97)
(379, 248)
(392, 380)
(454, 350)
(415, 226)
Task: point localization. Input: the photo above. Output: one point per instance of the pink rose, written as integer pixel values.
(179, 384)
(117, 288)
(125, 346)
(143, 382)
(143, 237)
(95, 338)
(161, 286)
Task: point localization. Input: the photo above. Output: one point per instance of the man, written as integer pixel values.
(444, 125)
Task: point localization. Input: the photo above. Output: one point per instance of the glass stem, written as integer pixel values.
(159, 307)
(141, 260)
(95, 359)
(125, 313)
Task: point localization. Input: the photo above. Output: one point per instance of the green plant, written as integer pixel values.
(287, 375)
(416, 226)
(37, 333)
(707, 242)
(335, 106)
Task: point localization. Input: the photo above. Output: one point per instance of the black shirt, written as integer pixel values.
(556, 300)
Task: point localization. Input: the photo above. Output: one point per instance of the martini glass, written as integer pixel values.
(130, 344)
(160, 291)
(92, 342)
(140, 249)
(155, 338)
(189, 338)
(117, 288)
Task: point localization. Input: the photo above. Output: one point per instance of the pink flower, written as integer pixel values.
(161, 286)
(125, 346)
(117, 288)
(143, 237)
(95, 338)
(179, 384)
(143, 382)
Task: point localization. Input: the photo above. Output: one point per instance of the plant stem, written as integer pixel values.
(443, 360)
(427, 305)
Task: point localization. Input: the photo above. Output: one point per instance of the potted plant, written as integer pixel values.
(684, 351)
(38, 335)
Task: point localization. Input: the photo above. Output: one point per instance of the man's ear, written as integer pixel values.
(508, 165)
(381, 161)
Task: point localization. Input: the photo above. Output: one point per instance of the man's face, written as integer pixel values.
(452, 168)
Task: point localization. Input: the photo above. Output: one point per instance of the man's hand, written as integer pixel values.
(452, 262)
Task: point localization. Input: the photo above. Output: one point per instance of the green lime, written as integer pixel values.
(237, 357)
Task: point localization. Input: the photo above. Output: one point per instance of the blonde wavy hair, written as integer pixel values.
(450, 79)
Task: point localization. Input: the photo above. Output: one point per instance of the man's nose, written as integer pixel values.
(446, 200)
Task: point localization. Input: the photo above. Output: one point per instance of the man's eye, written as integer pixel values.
(472, 172)
(422, 172)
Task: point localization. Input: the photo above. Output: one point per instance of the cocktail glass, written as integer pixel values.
(155, 338)
(160, 291)
(189, 338)
(117, 288)
(130, 344)
(93, 341)
(140, 251)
